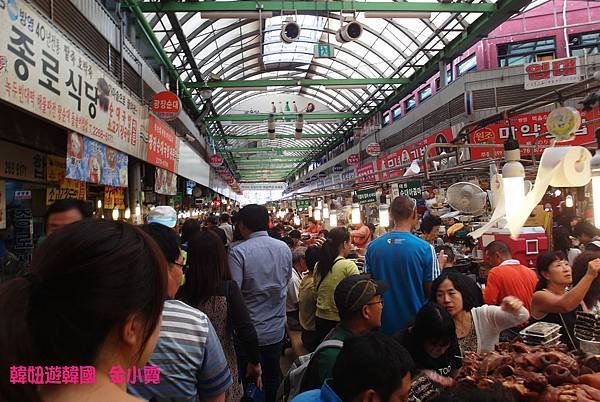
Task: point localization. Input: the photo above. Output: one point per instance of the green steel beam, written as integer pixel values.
(268, 161)
(479, 29)
(266, 165)
(184, 92)
(263, 178)
(278, 137)
(312, 6)
(257, 175)
(279, 116)
(250, 169)
(267, 149)
(295, 83)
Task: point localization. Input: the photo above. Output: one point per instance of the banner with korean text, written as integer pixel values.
(526, 128)
(68, 189)
(362, 173)
(162, 144)
(410, 152)
(46, 74)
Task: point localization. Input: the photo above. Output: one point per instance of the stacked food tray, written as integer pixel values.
(587, 326)
(541, 334)
(587, 330)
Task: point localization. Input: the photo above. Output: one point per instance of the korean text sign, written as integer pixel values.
(44, 73)
(162, 144)
(364, 171)
(93, 162)
(68, 189)
(526, 128)
(410, 152)
(21, 163)
(411, 189)
(366, 196)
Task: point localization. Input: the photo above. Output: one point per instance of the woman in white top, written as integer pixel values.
(478, 326)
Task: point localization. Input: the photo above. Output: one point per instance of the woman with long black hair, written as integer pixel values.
(329, 272)
(92, 300)
(209, 288)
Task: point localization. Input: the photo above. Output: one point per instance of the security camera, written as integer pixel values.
(290, 32)
(349, 32)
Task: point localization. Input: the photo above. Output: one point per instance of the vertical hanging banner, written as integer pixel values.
(93, 162)
(162, 144)
(23, 234)
(46, 74)
(2, 205)
(165, 182)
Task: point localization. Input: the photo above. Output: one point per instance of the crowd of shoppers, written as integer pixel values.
(215, 303)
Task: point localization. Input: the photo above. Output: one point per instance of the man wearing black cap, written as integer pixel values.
(360, 303)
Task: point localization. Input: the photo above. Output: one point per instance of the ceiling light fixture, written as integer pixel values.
(271, 126)
(299, 126)
(513, 176)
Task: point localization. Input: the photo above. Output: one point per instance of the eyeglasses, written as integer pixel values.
(377, 302)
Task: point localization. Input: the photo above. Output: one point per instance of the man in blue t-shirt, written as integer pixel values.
(406, 262)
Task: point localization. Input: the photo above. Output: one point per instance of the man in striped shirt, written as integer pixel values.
(188, 352)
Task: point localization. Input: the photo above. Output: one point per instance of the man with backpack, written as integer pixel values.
(387, 377)
(360, 302)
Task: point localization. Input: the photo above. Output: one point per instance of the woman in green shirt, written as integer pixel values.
(329, 272)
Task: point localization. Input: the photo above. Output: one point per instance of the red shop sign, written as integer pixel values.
(526, 128)
(373, 149)
(364, 171)
(215, 160)
(552, 72)
(162, 144)
(352, 159)
(410, 152)
(166, 105)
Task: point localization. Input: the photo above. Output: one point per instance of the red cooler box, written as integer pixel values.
(532, 242)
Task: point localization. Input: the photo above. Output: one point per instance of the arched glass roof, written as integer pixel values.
(221, 46)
